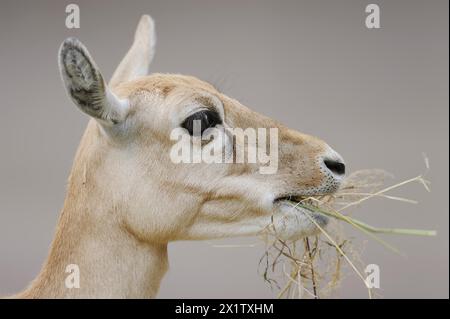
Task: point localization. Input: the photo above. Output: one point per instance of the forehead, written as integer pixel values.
(164, 84)
(168, 86)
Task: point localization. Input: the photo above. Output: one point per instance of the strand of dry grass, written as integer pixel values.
(305, 276)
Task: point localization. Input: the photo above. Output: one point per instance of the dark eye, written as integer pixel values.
(206, 118)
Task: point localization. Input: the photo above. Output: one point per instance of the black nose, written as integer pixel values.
(336, 167)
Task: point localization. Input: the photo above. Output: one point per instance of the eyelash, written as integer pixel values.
(208, 119)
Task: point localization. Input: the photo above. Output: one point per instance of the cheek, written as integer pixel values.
(226, 210)
(159, 218)
(157, 208)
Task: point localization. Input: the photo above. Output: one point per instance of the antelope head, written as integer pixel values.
(125, 161)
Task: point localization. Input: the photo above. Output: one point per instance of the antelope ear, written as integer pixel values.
(137, 61)
(85, 84)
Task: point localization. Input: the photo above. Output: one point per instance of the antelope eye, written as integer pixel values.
(206, 119)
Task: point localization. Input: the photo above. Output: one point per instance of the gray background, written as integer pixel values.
(380, 97)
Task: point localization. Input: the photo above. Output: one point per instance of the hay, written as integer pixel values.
(313, 267)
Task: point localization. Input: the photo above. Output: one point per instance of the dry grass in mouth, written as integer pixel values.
(313, 267)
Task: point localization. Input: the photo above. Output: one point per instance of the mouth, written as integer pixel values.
(291, 198)
(300, 198)
(293, 201)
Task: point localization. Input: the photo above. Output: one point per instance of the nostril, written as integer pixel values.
(336, 167)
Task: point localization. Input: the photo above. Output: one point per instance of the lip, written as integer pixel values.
(301, 196)
(292, 200)
(298, 197)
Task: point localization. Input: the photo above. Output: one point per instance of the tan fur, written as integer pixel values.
(126, 199)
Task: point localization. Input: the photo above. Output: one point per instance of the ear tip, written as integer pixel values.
(146, 25)
(71, 41)
(70, 44)
(72, 52)
(145, 18)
